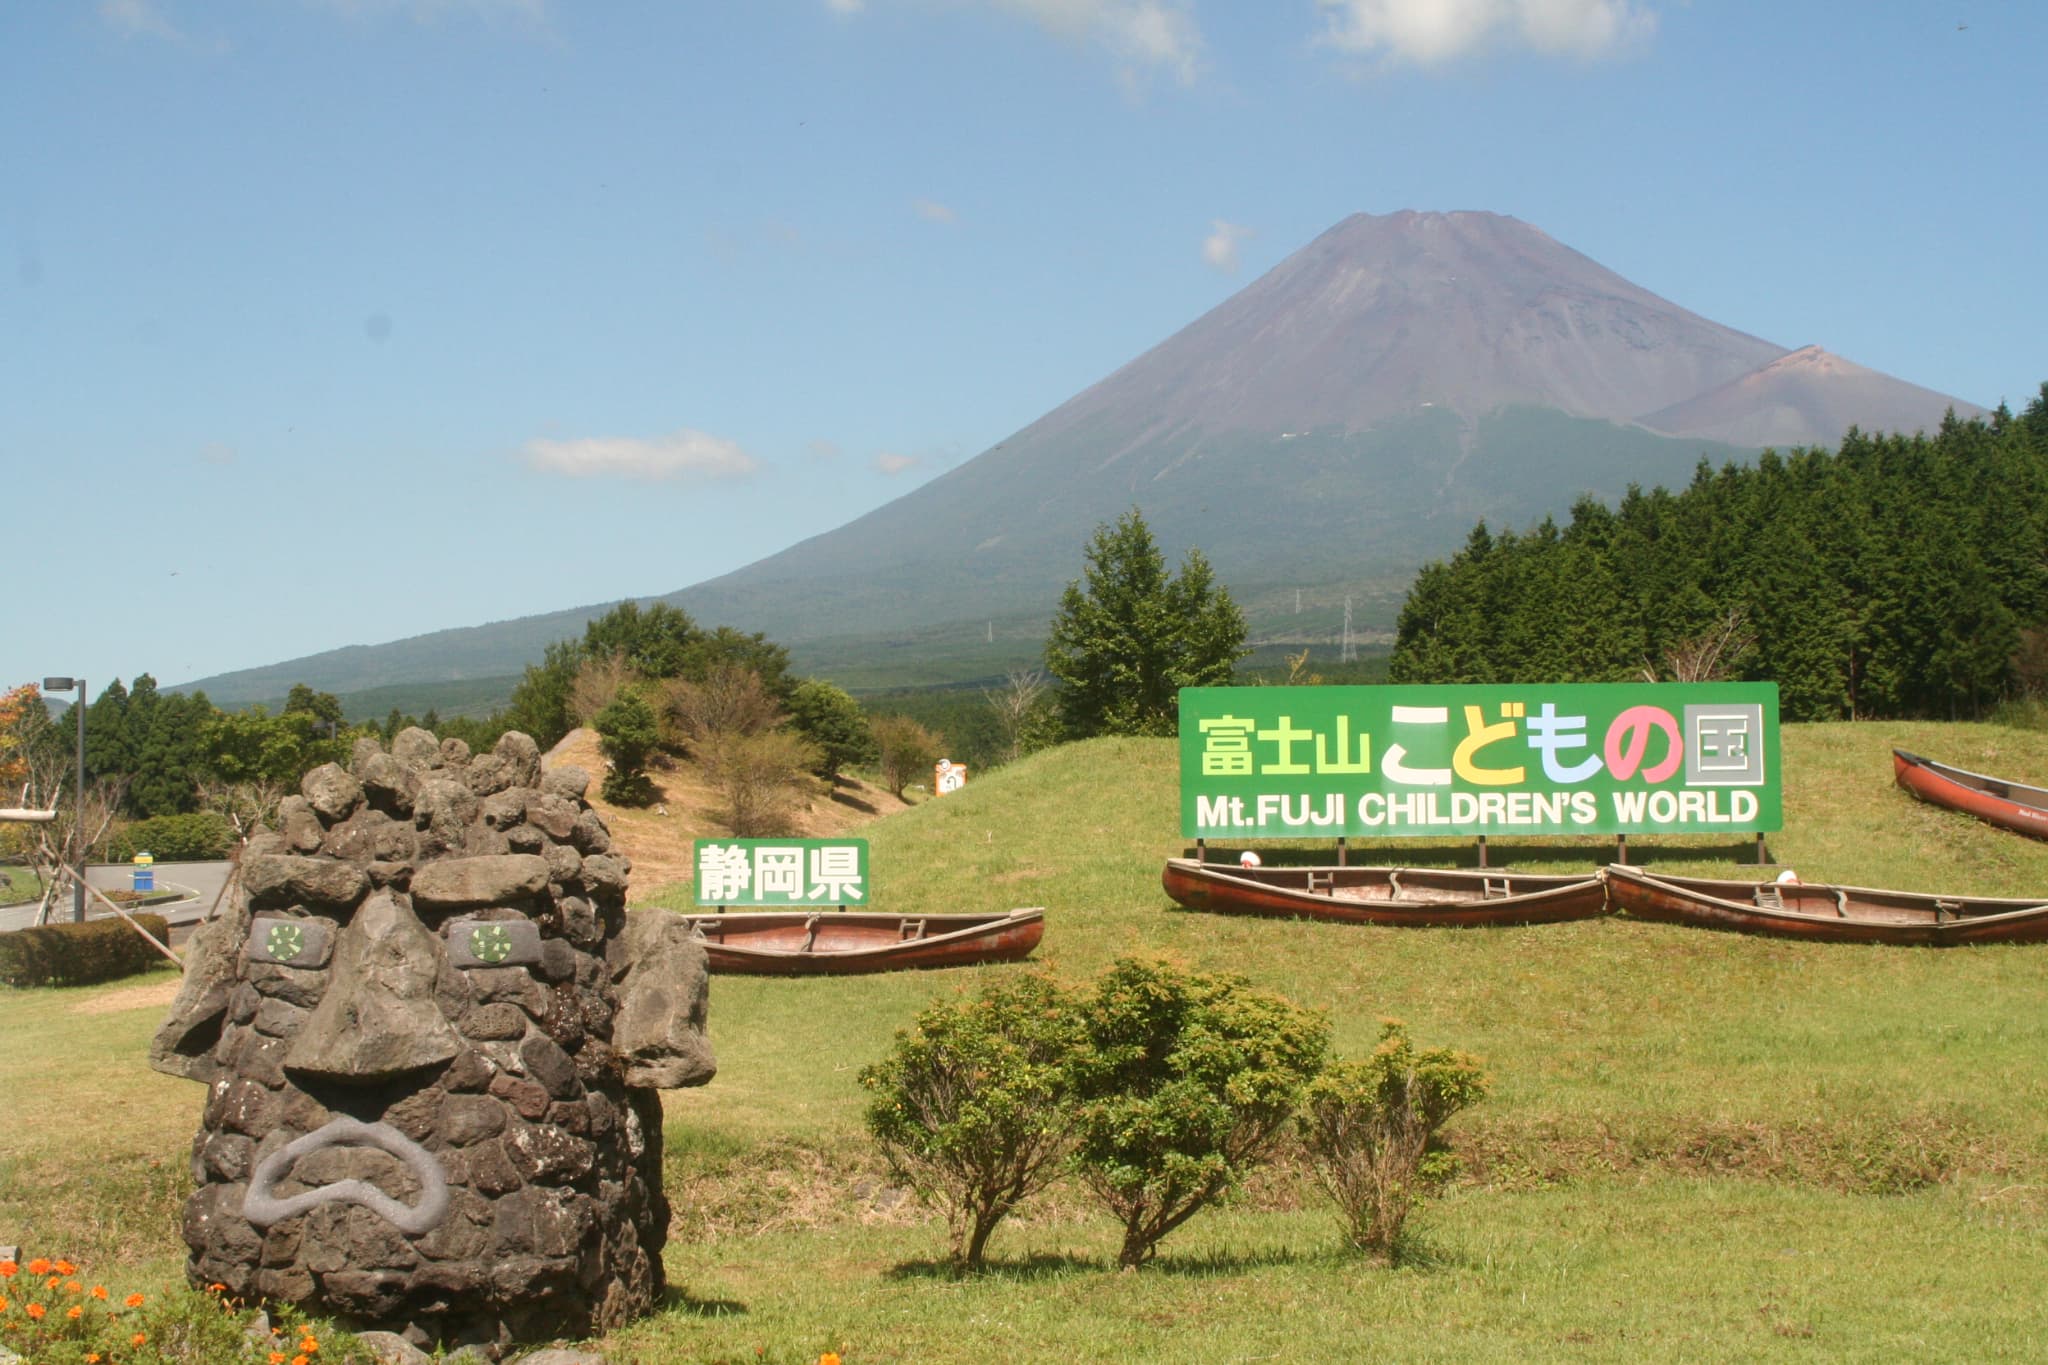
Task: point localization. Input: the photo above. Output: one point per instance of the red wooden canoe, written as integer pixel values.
(2010, 805)
(1819, 910)
(1411, 897)
(828, 943)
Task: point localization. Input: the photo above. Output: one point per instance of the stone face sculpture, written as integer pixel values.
(432, 1035)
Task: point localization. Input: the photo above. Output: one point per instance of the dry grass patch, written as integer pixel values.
(659, 838)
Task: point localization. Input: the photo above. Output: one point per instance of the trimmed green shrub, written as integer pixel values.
(1184, 1083)
(970, 1106)
(202, 836)
(79, 954)
(1370, 1129)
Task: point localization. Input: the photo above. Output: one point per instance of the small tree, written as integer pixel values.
(759, 776)
(908, 751)
(1129, 636)
(970, 1106)
(628, 735)
(1184, 1084)
(830, 718)
(1024, 712)
(1370, 1129)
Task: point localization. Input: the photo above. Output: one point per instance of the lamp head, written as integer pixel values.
(59, 684)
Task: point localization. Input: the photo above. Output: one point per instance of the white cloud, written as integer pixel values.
(892, 464)
(138, 19)
(685, 454)
(423, 11)
(217, 453)
(1434, 32)
(1144, 36)
(1219, 248)
(932, 211)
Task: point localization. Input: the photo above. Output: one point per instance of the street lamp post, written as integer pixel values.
(78, 711)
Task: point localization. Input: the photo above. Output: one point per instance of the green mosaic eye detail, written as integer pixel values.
(286, 942)
(490, 943)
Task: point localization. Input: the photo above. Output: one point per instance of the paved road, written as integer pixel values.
(202, 881)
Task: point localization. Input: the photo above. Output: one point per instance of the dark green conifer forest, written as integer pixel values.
(1893, 576)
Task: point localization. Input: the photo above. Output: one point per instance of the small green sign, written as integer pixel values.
(286, 942)
(491, 943)
(782, 872)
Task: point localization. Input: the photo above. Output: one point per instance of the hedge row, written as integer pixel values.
(79, 954)
(202, 836)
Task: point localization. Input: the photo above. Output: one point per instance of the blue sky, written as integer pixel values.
(330, 322)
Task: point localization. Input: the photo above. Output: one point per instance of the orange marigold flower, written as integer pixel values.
(309, 1346)
(829, 1358)
(138, 1338)
(73, 1287)
(216, 1288)
(39, 1266)
(8, 1270)
(99, 1291)
(133, 1301)
(75, 1312)
(92, 1358)
(301, 1360)
(53, 1282)
(66, 1268)
(277, 1358)
(36, 1311)
(3, 1303)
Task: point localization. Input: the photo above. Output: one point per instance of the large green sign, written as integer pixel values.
(1537, 758)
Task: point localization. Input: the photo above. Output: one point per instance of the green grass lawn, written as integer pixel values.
(18, 884)
(1699, 1146)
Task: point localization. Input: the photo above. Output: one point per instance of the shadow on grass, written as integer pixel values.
(1024, 1271)
(679, 1300)
(846, 798)
(1197, 1266)
(1499, 856)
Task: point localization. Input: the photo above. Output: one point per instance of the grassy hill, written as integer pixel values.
(1699, 1146)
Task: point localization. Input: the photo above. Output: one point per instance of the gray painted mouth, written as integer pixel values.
(262, 1207)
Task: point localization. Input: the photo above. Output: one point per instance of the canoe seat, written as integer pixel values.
(1325, 882)
(810, 933)
(708, 929)
(1769, 897)
(1496, 887)
(913, 928)
(1953, 909)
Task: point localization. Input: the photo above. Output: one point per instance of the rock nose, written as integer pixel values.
(378, 1018)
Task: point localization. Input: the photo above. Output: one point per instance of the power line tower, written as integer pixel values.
(1349, 654)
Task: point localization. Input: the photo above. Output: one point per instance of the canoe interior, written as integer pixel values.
(814, 943)
(2019, 793)
(1414, 885)
(1819, 909)
(834, 932)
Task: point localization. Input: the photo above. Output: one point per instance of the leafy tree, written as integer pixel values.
(908, 751)
(628, 735)
(1129, 636)
(832, 720)
(971, 1105)
(323, 707)
(540, 704)
(1370, 1130)
(1184, 1083)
